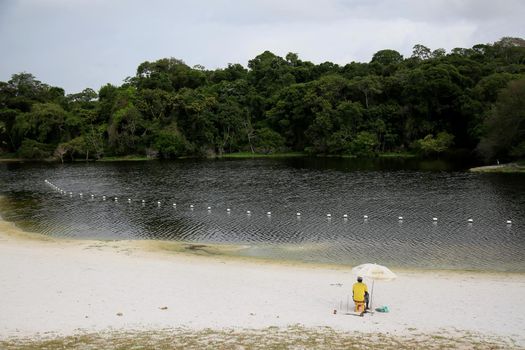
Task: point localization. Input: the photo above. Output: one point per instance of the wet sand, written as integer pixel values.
(62, 287)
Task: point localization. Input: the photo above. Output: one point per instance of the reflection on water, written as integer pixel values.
(383, 189)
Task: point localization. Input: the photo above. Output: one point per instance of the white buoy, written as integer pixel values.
(470, 220)
(103, 198)
(158, 203)
(228, 210)
(248, 212)
(174, 204)
(434, 219)
(92, 196)
(365, 217)
(116, 199)
(298, 214)
(400, 218)
(509, 222)
(209, 208)
(80, 195)
(143, 201)
(129, 199)
(191, 205)
(328, 215)
(345, 216)
(269, 213)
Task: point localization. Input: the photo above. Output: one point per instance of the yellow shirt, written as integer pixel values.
(359, 290)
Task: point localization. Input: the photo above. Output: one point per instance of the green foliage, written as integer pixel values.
(171, 144)
(369, 85)
(45, 123)
(79, 147)
(421, 52)
(387, 57)
(31, 149)
(518, 151)
(281, 104)
(505, 126)
(268, 141)
(364, 144)
(339, 142)
(270, 73)
(386, 62)
(431, 145)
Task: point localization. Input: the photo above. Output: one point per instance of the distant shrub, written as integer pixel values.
(171, 144)
(364, 144)
(340, 142)
(268, 141)
(31, 149)
(430, 145)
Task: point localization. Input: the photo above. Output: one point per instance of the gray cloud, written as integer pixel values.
(87, 43)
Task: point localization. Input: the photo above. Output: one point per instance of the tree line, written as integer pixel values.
(430, 103)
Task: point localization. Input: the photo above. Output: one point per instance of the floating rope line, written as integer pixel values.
(61, 191)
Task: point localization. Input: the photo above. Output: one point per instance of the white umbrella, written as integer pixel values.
(374, 272)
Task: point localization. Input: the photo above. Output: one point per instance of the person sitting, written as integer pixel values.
(359, 290)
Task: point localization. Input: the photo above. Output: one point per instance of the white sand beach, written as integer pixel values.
(61, 287)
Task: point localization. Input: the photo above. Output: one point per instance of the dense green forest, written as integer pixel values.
(432, 103)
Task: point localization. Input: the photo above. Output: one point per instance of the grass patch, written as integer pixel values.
(124, 158)
(272, 338)
(336, 156)
(517, 167)
(263, 155)
(397, 155)
(8, 156)
(379, 155)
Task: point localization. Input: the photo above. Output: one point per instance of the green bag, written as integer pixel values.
(383, 308)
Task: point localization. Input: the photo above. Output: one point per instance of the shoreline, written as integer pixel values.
(218, 252)
(226, 156)
(510, 168)
(63, 287)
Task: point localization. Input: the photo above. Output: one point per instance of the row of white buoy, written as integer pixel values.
(228, 210)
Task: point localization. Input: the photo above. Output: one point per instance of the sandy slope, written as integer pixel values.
(62, 286)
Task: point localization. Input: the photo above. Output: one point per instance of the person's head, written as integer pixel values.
(359, 279)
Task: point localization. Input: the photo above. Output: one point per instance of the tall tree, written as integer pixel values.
(505, 127)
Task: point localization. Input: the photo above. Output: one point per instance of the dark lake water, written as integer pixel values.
(382, 189)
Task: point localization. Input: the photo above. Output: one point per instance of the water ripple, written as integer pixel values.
(282, 187)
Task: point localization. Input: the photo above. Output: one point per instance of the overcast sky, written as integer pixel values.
(76, 44)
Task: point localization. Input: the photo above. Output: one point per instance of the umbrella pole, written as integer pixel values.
(371, 294)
